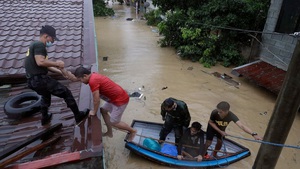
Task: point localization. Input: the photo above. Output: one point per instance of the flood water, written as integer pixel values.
(137, 63)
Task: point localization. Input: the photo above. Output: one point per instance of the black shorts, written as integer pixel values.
(211, 132)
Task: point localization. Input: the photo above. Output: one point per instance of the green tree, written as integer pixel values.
(171, 5)
(207, 30)
(100, 8)
(171, 29)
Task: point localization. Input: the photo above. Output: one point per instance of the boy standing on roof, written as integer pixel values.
(37, 66)
(115, 96)
(219, 120)
(176, 115)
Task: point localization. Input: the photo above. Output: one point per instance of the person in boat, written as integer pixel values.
(176, 115)
(191, 144)
(115, 96)
(219, 120)
(37, 66)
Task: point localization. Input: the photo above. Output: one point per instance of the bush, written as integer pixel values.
(171, 29)
(153, 17)
(100, 9)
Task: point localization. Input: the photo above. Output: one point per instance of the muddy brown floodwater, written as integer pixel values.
(137, 63)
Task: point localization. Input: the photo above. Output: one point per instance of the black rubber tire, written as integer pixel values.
(22, 105)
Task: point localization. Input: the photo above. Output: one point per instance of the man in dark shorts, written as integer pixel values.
(191, 145)
(176, 115)
(219, 120)
(37, 66)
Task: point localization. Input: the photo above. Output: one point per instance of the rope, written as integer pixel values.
(265, 142)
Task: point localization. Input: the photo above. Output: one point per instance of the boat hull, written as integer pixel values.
(151, 130)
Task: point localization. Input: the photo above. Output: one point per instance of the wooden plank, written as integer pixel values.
(53, 160)
(29, 151)
(31, 139)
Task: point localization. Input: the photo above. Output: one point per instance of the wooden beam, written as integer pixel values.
(29, 151)
(31, 139)
(52, 160)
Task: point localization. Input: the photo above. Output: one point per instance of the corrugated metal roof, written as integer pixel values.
(263, 74)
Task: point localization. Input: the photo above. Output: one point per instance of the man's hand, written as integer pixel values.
(199, 158)
(223, 133)
(92, 113)
(60, 64)
(179, 157)
(257, 137)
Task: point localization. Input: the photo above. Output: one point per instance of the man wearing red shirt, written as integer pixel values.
(115, 96)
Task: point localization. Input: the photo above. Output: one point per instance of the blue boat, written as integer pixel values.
(145, 144)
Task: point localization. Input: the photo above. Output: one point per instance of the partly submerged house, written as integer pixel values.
(20, 22)
(278, 46)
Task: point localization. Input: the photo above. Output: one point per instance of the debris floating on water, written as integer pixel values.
(164, 88)
(190, 68)
(263, 113)
(228, 79)
(137, 94)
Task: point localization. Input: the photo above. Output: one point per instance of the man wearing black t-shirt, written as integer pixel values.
(219, 120)
(37, 66)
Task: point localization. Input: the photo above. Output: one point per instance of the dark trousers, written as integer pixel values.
(167, 128)
(46, 86)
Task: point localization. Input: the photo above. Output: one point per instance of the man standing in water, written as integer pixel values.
(37, 66)
(115, 96)
(219, 120)
(176, 115)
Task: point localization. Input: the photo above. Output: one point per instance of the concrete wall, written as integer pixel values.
(277, 48)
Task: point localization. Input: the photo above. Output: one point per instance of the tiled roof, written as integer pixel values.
(263, 74)
(20, 22)
(73, 138)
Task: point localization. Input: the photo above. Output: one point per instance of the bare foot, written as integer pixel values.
(110, 135)
(132, 135)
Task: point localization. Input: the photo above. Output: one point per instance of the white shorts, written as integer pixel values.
(116, 112)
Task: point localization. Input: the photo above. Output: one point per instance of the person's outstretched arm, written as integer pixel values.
(248, 130)
(69, 75)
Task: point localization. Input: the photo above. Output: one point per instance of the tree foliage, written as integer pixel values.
(209, 31)
(100, 8)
